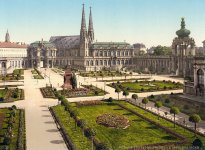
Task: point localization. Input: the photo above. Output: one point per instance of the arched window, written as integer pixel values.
(96, 62)
(109, 53)
(105, 62)
(118, 53)
(200, 77)
(105, 53)
(87, 63)
(101, 53)
(101, 62)
(91, 62)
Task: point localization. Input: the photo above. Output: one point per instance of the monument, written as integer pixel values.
(68, 79)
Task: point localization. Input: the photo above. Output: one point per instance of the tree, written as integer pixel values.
(74, 81)
(125, 93)
(90, 132)
(117, 90)
(135, 97)
(158, 104)
(162, 50)
(145, 101)
(74, 114)
(197, 143)
(174, 110)
(82, 124)
(102, 146)
(194, 118)
(110, 99)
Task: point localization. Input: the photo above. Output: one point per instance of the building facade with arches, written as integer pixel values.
(196, 87)
(82, 52)
(12, 55)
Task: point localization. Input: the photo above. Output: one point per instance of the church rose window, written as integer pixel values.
(200, 76)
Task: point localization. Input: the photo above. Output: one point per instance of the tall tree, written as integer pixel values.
(117, 90)
(194, 118)
(74, 81)
(158, 104)
(135, 97)
(174, 110)
(125, 93)
(145, 101)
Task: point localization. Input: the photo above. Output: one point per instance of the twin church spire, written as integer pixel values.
(83, 31)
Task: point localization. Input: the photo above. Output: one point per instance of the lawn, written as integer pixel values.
(147, 86)
(140, 132)
(75, 134)
(189, 135)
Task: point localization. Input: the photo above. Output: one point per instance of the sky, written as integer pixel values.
(152, 22)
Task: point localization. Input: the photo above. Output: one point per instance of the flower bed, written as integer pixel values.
(47, 92)
(113, 120)
(1, 119)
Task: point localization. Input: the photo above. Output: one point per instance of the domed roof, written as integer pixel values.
(183, 32)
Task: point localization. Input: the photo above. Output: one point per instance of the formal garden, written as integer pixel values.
(12, 125)
(185, 106)
(15, 76)
(146, 86)
(36, 74)
(119, 125)
(86, 90)
(103, 73)
(11, 94)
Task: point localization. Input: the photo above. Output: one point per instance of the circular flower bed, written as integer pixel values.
(113, 120)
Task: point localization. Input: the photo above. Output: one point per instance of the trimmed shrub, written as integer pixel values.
(110, 99)
(102, 146)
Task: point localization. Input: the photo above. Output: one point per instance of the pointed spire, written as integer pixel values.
(7, 37)
(90, 28)
(83, 23)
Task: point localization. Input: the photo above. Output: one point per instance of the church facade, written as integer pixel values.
(80, 51)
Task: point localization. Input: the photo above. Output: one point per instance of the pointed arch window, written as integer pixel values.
(200, 77)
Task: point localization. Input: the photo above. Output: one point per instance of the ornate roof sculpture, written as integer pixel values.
(183, 36)
(183, 32)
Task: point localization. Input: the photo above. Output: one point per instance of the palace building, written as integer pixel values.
(12, 55)
(80, 51)
(180, 63)
(41, 54)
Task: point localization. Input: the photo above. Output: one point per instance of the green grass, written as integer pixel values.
(68, 123)
(99, 74)
(2, 92)
(140, 132)
(189, 135)
(13, 144)
(184, 105)
(147, 86)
